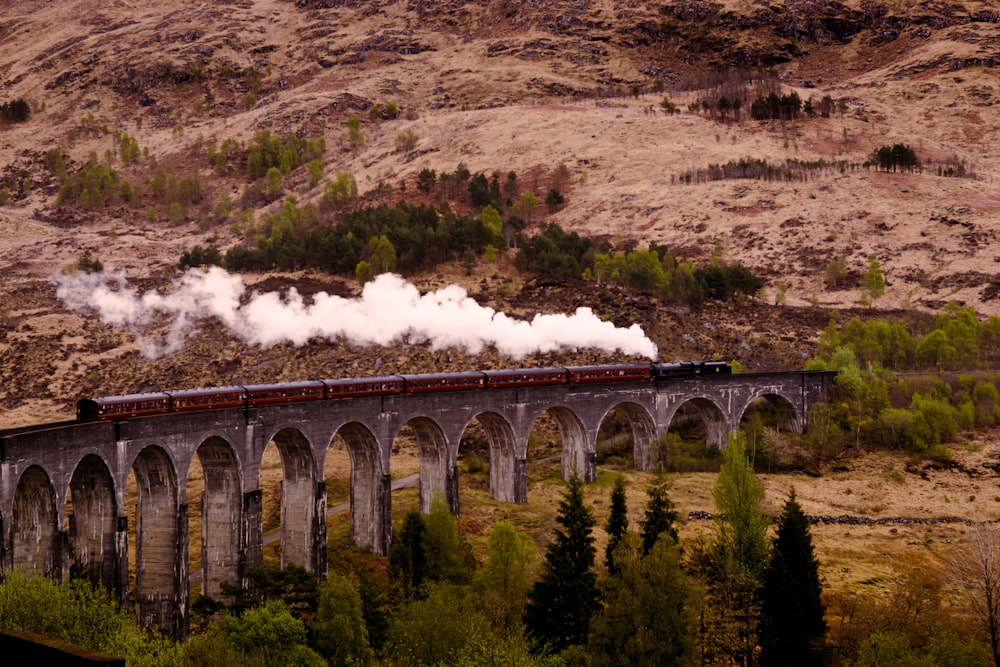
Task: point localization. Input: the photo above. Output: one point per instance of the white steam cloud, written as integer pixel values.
(389, 309)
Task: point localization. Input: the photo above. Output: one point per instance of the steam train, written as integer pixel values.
(117, 408)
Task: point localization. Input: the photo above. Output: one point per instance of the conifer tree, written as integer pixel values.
(660, 515)
(650, 610)
(562, 601)
(407, 564)
(791, 625)
(617, 523)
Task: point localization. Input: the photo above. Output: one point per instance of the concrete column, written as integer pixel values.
(520, 476)
(182, 619)
(503, 475)
(590, 467)
(251, 535)
(5, 548)
(319, 548)
(121, 561)
(163, 602)
(451, 490)
(383, 530)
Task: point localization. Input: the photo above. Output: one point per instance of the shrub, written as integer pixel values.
(15, 111)
(199, 256)
(406, 141)
(426, 179)
(338, 193)
(554, 199)
(835, 273)
(175, 213)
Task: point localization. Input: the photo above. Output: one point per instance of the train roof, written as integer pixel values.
(299, 384)
(449, 374)
(376, 378)
(147, 396)
(208, 390)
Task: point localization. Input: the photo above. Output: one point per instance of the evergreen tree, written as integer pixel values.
(562, 601)
(649, 616)
(407, 565)
(617, 523)
(792, 626)
(660, 515)
(373, 608)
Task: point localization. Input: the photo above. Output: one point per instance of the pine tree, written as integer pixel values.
(660, 515)
(407, 564)
(617, 523)
(562, 601)
(792, 626)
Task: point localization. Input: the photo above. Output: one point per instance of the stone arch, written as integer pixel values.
(221, 515)
(437, 469)
(301, 494)
(93, 523)
(783, 408)
(508, 475)
(371, 519)
(160, 544)
(642, 428)
(576, 455)
(36, 541)
(711, 415)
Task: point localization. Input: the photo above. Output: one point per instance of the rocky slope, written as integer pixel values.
(498, 86)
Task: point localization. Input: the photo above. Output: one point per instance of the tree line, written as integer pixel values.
(653, 602)
(761, 170)
(900, 391)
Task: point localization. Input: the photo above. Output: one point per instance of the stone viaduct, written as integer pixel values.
(63, 486)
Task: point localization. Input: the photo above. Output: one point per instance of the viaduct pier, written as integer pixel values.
(63, 486)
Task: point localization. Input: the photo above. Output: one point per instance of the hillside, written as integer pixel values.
(567, 93)
(544, 88)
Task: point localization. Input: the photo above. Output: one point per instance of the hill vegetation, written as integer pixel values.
(782, 185)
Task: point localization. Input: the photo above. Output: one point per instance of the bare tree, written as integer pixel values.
(975, 566)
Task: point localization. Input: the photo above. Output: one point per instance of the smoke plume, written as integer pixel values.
(389, 309)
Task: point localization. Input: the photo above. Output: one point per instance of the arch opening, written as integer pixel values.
(487, 461)
(34, 521)
(626, 438)
(292, 502)
(437, 470)
(558, 435)
(92, 522)
(160, 546)
(367, 487)
(694, 440)
(768, 423)
(215, 517)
